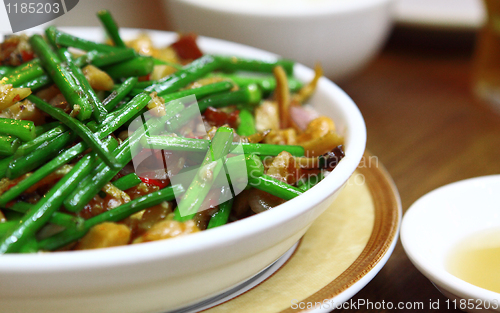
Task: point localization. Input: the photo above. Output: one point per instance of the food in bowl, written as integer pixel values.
(84, 132)
(165, 275)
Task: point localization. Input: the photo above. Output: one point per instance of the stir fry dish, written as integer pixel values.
(76, 115)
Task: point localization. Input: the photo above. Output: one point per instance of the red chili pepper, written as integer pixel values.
(16, 98)
(186, 47)
(162, 183)
(118, 176)
(145, 78)
(11, 185)
(27, 55)
(219, 118)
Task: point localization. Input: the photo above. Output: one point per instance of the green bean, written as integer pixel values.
(110, 27)
(117, 95)
(24, 130)
(42, 172)
(30, 245)
(189, 73)
(8, 145)
(26, 163)
(201, 145)
(114, 215)
(191, 111)
(141, 86)
(11, 215)
(247, 123)
(31, 74)
(5, 70)
(58, 218)
(101, 59)
(87, 162)
(41, 129)
(237, 175)
(124, 114)
(30, 146)
(41, 212)
(138, 66)
(103, 174)
(175, 143)
(200, 92)
(220, 217)
(162, 62)
(6, 227)
(111, 145)
(267, 83)
(98, 110)
(200, 186)
(92, 125)
(127, 181)
(275, 187)
(68, 85)
(87, 136)
(24, 73)
(37, 83)
(250, 94)
(311, 181)
(270, 149)
(263, 158)
(232, 63)
(4, 165)
(30, 79)
(191, 68)
(66, 40)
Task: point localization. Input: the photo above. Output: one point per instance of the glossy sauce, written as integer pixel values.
(476, 260)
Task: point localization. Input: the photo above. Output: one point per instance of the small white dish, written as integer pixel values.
(449, 14)
(442, 219)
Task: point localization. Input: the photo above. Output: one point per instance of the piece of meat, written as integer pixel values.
(98, 79)
(187, 48)
(284, 168)
(15, 50)
(168, 229)
(105, 235)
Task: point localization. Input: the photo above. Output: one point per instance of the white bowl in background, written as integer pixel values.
(439, 221)
(344, 35)
(165, 275)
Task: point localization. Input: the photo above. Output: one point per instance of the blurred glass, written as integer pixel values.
(487, 57)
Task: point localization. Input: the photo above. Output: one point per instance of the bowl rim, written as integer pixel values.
(438, 275)
(322, 8)
(208, 239)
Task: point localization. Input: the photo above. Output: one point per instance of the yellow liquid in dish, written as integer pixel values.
(476, 260)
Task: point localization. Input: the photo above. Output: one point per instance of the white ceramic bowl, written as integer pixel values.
(341, 34)
(439, 221)
(164, 275)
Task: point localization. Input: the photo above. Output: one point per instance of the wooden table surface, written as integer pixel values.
(427, 128)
